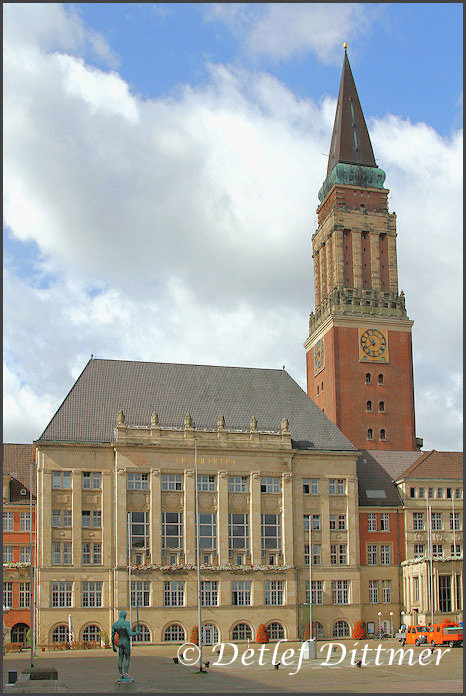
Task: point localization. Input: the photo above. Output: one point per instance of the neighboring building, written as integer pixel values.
(17, 525)
(268, 458)
(432, 493)
(359, 355)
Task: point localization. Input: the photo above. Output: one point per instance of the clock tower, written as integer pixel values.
(359, 353)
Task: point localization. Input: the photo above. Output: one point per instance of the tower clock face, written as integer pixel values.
(373, 345)
(319, 356)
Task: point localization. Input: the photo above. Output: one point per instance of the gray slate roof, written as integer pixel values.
(377, 470)
(89, 412)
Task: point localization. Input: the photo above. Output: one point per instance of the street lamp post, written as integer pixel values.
(391, 624)
(379, 614)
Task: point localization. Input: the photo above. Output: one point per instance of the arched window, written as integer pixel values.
(275, 631)
(362, 208)
(369, 406)
(144, 636)
(382, 434)
(91, 632)
(369, 434)
(174, 634)
(242, 632)
(60, 634)
(318, 630)
(381, 378)
(18, 633)
(368, 377)
(340, 629)
(382, 406)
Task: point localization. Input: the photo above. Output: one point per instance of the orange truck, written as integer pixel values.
(416, 635)
(446, 633)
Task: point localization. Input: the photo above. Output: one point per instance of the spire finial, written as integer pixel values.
(345, 45)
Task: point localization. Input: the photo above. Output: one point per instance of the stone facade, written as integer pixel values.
(221, 454)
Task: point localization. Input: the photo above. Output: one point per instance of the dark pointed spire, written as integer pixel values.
(350, 138)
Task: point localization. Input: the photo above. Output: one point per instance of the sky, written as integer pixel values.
(162, 163)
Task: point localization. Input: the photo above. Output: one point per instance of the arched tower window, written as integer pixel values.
(380, 378)
(382, 434)
(382, 406)
(368, 378)
(369, 434)
(369, 406)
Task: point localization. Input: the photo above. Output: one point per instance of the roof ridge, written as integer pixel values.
(161, 362)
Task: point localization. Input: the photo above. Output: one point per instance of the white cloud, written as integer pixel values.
(282, 30)
(178, 229)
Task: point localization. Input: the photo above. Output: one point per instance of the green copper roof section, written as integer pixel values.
(352, 175)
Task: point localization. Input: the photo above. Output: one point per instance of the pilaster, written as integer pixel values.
(325, 522)
(375, 261)
(107, 519)
(189, 519)
(317, 278)
(339, 261)
(357, 258)
(155, 517)
(222, 517)
(255, 517)
(392, 265)
(121, 531)
(287, 519)
(76, 506)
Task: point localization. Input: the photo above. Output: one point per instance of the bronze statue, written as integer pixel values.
(122, 629)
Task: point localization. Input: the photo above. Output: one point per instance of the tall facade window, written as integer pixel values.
(422, 492)
(238, 484)
(139, 530)
(61, 518)
(25, 522)
(140, 593)
(444, 592)
(436, 521)
(8, 521)
(172, 530)
(61, 479)
(208, 530)
(455, 550)
(430, 493)
(416, 588)
(306, 486)
(340, 591)
(314, 486)
(173, 595)
(270, 484)
(61, 594)
(172, 482)
(316, 554)
(370, 435)
(371, 554)
(91, 593)
(336, 486)
(315, 523)
(385, 554)
(338, 554)
(418, 550)
(439, 492)
(91, 518)
(24, 554)
(7, 594)
(241, 593)
(271, 536)
(92, 553)
(385, 522)
(137, 482)
(437, 550)
(8, 554)
(456, 524)
(372, 522)
(273, 592)
(418, 521)
(337, 522)
(206, 482)
(209, 593)
(91, 480)
(61, 553)
(317, 592)
(386, 591)
(373, 591)
(238, 530)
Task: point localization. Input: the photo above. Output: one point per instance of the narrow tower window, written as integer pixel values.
(381, 378)
(382, 434)
(368, 378)
(382, 406)
(369, 434)
(369, 406)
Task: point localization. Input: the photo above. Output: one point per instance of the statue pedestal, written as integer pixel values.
(126, 687)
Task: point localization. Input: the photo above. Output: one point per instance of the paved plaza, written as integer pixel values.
(95, 671)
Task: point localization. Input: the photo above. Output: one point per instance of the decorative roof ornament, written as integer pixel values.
(345, 45)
